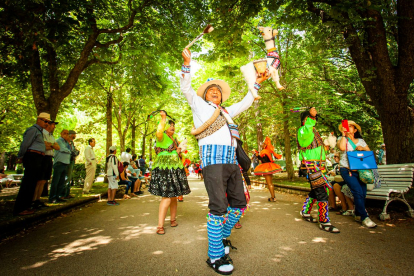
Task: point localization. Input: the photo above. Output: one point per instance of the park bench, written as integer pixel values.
(16, 179)
(396, 180)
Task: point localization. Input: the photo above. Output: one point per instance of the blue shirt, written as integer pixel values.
(62, 155)
(141, 162)
(33, 140)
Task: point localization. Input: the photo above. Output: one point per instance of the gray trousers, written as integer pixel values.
(222, 179)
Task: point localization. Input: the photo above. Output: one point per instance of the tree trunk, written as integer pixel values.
(259, 129)
(133, 129)
(108, 125)
(150, 148)
(2, 159)
(288, 152)
(397, 128)
(143, 140)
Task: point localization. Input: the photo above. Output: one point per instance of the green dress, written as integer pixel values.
(168, 177)
(310, 144)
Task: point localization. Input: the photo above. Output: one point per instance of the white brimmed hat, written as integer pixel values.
(112, 148)
(225, 88)
(44, 115)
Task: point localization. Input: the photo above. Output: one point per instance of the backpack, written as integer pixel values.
(120, 165)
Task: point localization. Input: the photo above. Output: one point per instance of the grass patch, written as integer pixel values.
(7, 201)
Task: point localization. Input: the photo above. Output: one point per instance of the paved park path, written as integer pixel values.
(121, 240)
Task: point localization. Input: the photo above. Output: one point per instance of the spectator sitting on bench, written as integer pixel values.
(4, 179)
(135, 178)
(338, 183)
(125, 180)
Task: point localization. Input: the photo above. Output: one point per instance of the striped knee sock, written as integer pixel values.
(323, 212)
(215, 236)
(234, 215)
(307, 205)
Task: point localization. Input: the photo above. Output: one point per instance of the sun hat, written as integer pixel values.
(350, 123)
(112, 148)
(44, 115)
(225, 88)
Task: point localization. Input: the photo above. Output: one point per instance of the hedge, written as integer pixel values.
(79, 173)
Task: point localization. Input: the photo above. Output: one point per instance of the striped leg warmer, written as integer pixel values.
(234, 215)
(215, 236)
(307, 205)
(323, 212)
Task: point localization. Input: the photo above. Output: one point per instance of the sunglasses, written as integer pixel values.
(46, 121)
(336, 156)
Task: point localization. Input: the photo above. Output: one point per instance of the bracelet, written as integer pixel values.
(257, 86)
(185, 69)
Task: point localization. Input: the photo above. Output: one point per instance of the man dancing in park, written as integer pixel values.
(312, 155)
(216, 134)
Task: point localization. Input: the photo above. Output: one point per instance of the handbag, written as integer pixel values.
(242, 157)
(367, 176)
(338, 179)
(363, 161)
(360, 160)
(316, 179)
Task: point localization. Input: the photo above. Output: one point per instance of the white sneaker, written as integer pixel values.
(367, 222)
(348, 213)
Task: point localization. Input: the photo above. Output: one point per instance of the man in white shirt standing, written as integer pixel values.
(126, 156)
(90, 165)
(217, 147)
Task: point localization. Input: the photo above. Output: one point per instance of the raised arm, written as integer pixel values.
(247, 101)
(305, 134)
(161, 126)
(185, 81)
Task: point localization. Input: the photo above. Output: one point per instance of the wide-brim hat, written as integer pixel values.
(350, 123)
(44, 115)
(225, 88)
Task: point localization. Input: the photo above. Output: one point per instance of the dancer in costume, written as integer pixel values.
(168, 176)
(267, 168)
(217, 139)
(312, 156)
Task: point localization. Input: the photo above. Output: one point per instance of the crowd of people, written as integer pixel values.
(41, 154)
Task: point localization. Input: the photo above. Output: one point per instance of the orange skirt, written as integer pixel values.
(267, 168)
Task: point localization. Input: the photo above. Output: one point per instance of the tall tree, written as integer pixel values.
(377, 36)
(49, 43)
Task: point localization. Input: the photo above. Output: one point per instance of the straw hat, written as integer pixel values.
(225, 88)
(44, 115)
(350, 123)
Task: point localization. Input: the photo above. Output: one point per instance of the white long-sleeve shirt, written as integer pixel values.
(112, 166)
(89, 154)
(202, 111)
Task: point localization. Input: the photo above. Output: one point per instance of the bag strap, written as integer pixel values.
(351, 142)
(303, 159)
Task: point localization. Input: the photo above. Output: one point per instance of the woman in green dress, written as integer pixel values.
(169, 179)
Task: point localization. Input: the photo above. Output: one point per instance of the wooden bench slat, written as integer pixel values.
(389, 180)
(408, 165)
(397, 174)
